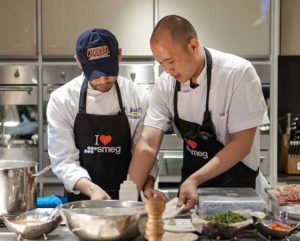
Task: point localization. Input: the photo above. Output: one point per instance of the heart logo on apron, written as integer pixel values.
(105, 139)
(192, 144)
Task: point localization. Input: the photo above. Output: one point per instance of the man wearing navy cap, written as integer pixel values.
(94, 121)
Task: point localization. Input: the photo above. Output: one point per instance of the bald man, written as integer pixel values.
(215, 102)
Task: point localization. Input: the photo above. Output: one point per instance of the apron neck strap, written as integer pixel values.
(82, 97)
(122, 109)
(83, 94)
(208, 75)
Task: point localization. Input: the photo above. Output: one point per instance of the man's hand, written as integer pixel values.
(188, 194)
(90, 189)
(99, 194)
(151, 192)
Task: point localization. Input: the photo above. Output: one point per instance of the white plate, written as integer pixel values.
(179, 237)
(179, 225)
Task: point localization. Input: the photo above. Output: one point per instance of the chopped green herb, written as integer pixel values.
(226, 218)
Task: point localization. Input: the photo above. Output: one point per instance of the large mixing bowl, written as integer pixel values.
(103, 220)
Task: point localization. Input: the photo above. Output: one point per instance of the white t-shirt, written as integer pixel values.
(236, 101)
(61, 113)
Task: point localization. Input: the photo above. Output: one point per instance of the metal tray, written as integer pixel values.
(292, 211)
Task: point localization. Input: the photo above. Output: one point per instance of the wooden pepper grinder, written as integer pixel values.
(155, 225)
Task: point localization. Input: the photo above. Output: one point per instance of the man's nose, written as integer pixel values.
(105, 80)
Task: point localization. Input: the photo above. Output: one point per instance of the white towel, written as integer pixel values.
(172, 209)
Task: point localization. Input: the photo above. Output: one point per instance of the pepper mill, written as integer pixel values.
(155, 225)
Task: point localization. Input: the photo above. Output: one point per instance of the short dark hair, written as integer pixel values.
(180, 29)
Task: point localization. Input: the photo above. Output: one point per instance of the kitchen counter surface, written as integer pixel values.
(62, 233)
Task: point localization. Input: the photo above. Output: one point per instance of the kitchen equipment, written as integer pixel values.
(34, 223)
(290, 147)
(213, 200)
(292, 211)
(170, 159)
(18, 185)
(218, 230)
(103, 220)
(264, 227)
(128, 191)
(18, 111)
(154, 225)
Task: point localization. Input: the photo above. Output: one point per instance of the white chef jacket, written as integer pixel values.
(236, 101)
(62, 109)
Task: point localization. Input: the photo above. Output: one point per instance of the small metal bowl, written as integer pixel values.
(103, 220)
(262, 227)
(34, 223)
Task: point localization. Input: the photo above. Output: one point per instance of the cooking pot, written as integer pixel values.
(18, 185)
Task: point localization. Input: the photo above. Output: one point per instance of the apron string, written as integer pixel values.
(83, 94)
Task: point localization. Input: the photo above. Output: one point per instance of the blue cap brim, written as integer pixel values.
(105, 68)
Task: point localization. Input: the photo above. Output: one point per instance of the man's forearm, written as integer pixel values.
(144, 155)
(141, 165)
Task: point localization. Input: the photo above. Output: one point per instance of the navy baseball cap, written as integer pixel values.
(97, 51)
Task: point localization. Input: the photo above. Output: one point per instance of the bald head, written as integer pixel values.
(180, 29)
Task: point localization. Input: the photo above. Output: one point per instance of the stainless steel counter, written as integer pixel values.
(63, 233)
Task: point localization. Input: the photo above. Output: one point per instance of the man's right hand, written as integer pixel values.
(151, 192)
(90, 189)
(188, 194)
(99, 194)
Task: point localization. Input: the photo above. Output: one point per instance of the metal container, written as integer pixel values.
(263, 226)
(34, 223)
(18, 186)
(214, 200)
(103, 220)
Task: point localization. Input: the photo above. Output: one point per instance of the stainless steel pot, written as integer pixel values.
(18, 185)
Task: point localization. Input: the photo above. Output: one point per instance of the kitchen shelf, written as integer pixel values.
(288, 178)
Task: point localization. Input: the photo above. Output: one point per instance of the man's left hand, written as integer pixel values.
(151, 192)
(188, 194)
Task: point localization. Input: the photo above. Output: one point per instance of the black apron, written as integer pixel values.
(104, 144)
(200, 145)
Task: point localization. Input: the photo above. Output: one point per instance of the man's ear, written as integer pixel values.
(194, 44)
(119, 54)
(77, 62)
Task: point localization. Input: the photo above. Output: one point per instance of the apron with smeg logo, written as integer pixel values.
(104, 144)
(201, 145)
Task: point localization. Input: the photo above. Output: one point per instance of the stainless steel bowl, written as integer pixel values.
(263, 227)
(34, 223)
(103, 220)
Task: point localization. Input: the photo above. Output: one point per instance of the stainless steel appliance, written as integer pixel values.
(170, 160)
(18, 112)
